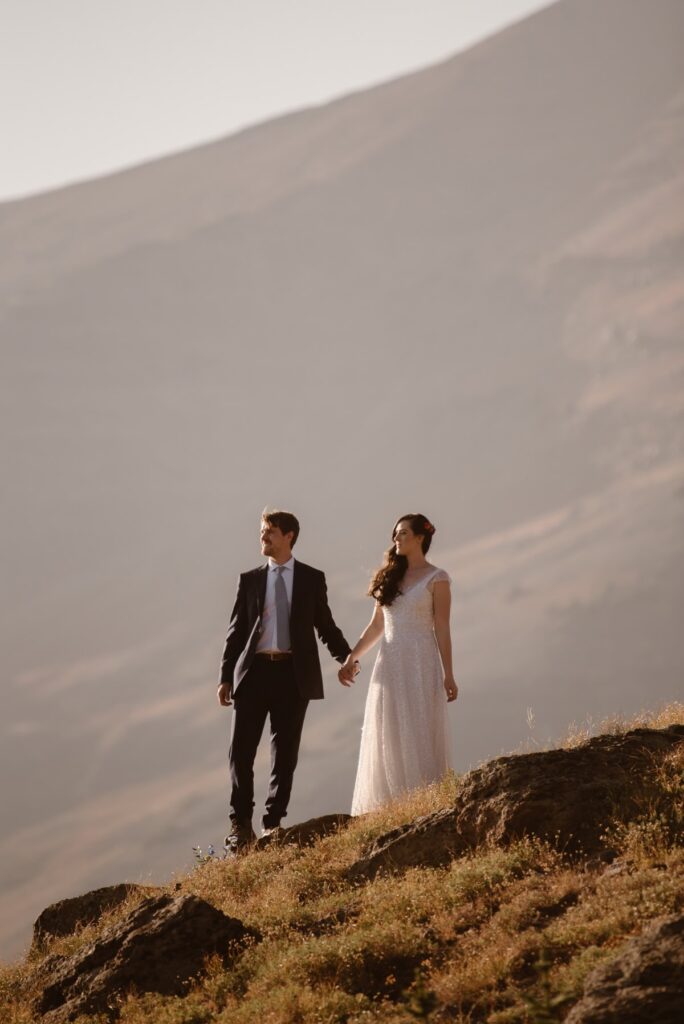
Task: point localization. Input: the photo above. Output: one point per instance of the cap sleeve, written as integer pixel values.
(440, 575)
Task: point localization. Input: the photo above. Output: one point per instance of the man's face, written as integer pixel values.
(274, 542)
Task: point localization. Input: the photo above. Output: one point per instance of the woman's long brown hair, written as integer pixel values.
(384, 586)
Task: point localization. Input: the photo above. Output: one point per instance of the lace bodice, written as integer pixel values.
(411, 612)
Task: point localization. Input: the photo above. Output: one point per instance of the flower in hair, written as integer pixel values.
(428, 526)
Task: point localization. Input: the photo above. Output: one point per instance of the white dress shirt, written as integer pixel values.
(268, 639)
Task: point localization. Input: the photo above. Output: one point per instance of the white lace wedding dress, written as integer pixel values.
(405, 737)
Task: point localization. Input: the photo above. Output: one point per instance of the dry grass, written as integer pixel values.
(671, 713)
(493, 937)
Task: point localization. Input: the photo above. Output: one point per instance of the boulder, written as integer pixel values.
(428, 841)
(159, 947)
(564, 796)
(64, 917)
(644, 983)
(306, 832)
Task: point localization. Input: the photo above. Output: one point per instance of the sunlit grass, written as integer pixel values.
(469, 942)
(671, 713)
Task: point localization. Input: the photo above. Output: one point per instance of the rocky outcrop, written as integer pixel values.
(428, 841)
(645, 983)
(64, 917)
(306, 832)
(159, 947)
(565, 796)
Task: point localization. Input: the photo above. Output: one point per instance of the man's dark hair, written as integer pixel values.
(286, 522)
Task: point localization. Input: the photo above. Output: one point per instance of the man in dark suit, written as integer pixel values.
(270, 667)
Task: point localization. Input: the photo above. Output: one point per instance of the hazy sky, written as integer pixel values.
(90, 86)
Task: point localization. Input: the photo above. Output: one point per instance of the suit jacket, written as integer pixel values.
(309, 611)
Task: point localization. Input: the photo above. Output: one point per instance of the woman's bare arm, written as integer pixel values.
(368, 638)
(441, 602)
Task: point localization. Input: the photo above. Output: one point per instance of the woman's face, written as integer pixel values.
(405, 540)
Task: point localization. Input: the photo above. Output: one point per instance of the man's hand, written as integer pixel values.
(349, 670)
(344, 677)
(223, 695)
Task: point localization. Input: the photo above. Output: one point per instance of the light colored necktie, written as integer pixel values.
(282, 611)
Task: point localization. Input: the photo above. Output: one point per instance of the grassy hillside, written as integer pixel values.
(505, 936)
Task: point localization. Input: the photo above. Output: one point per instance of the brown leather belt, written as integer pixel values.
(274, 655)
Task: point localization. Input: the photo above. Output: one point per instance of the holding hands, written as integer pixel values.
(349, 671)
(370, 636)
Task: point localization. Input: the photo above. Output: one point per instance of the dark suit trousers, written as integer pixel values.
(268, 690)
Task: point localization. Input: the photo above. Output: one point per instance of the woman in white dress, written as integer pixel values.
(405, 739)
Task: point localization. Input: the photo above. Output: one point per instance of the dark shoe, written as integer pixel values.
(240, 837)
